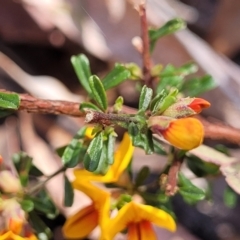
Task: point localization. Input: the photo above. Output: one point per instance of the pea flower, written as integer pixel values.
(186, 107)
(137, 219)
(183, 133)
(83, 222)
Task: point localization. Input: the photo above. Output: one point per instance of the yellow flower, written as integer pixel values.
(184, 133)
(11, 236)
(122, 157)
(137, 218)
(83, 222)
(9, 183)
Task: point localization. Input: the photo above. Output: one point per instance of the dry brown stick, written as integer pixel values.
(28, 103)
(145, 51)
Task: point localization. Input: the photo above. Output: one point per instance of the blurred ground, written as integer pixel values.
(41, 36)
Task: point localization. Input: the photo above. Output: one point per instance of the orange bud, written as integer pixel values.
(198, 104)
(185, 133)
(186, 107)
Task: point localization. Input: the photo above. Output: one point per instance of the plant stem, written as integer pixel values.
(37, 187)
(108, 118)
(146, 49)
(215, 131)
(171, 186)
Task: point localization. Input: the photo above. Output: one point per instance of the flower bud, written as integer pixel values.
(184, 133)
(186, 107)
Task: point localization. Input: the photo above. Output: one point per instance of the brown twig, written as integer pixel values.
(171, 186)
(28, 103)
(145, 51)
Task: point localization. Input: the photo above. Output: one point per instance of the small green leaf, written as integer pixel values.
(98, 91)
(201, 168)
(142, 176)
(190, 193)
(43, 232)
(81, 66)
(118, 104)
(135, 71)
(43, 204)
(68, 192)
(230, 197)
(103, 162)
(197, 86)
(9, 100)
(165, 103)
(133, 129)
(75, 150)
(27, 205)
(115, 77)
(110, 148)
(168, 28)
(88, 105)
(5, 113)
(145, 98)
(23, 164)
(93, 155)
(143, 141)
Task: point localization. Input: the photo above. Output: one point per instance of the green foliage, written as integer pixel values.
(145, 98)
(93, 154)
(197, 86)
(115, 77)
(169, 27)
(68, 192)
(74, 152)
(42, 230)
(142, 176)
(201, 168)
(88, 105)
(23, 164)
(9, 100)
(118, 104)
(82, 68)
(98, 92)
(190, 193)
(27, 205)
(230, 197)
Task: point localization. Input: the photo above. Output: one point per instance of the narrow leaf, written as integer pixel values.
(9, 100)
(43, 231)
(73, 152)
(189, 192)
(116, 76)
(230, 197)
(103, 164)
(68, 193)
(98, 91)
(110, 148)
(27, 205)
(81, 66)
(145, 98)
(168, 28)
(88, 105)
(142, 176)
(92, 157)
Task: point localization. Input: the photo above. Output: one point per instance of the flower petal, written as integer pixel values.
(185, 133)
(198, 104)
(135, 213)
(141, 230)
(100, 198)
(122, 158)
(81, 224)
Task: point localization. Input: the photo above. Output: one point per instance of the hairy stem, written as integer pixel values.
(146, 49)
